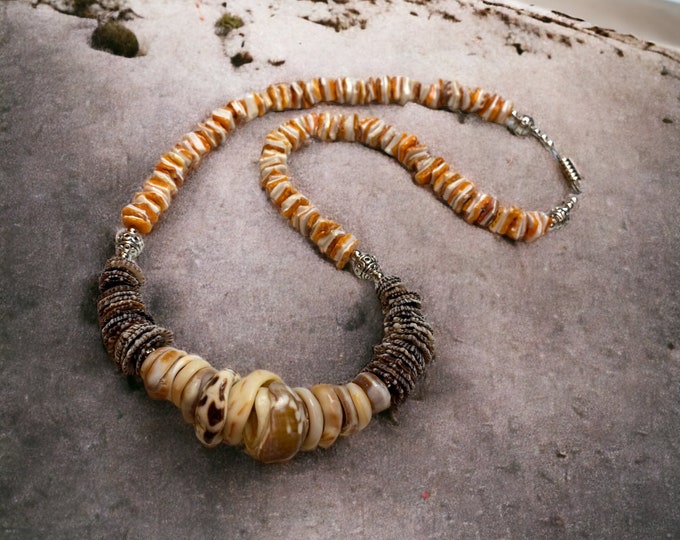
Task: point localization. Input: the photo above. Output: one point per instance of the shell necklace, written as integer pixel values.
(270, 419)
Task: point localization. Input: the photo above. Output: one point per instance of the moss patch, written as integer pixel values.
(226, 23)
(115, 38)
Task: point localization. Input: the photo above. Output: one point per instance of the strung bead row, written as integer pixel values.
(174, 167)
(273, 421)
(455, 190)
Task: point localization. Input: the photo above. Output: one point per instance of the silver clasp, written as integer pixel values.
(522, 125)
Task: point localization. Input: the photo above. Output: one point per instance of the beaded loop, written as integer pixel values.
(259, 411)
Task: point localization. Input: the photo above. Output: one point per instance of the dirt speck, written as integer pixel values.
(241, 58)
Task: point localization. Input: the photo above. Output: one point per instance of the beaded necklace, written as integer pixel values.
(270, 419)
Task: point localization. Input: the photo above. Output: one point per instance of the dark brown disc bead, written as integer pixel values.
(407, 345)
(121, 271)
(135, 344)
(119, 301)
(114, 327)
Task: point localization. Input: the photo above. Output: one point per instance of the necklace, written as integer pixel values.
(270, 419)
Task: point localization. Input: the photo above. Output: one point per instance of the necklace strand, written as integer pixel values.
(270, 419)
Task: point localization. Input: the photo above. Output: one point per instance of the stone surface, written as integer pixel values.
(553, 407)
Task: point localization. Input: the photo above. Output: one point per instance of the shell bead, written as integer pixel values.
(362, 405)
(350, 417)
(272, 421)
(211, 410)
(377, 392)
(278, 426)
(314, 416)
(241, 401)
(332, 413)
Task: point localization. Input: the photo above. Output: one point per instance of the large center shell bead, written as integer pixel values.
(277, 426)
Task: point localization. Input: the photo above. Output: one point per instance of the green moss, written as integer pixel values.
(115, 38)
(226, 23)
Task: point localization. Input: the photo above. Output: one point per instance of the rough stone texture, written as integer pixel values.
(553, 407)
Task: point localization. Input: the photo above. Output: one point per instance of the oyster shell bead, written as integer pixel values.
(278, 425)
(407, 345)
(112, 329)
(332, 413)
(211, 409)
(315, 418)
(376, 391)
(155, 368)
(117, 300)
(361, 403)
(193, 365)
(350, 418)
(120, 306)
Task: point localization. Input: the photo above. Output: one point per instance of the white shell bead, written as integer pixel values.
(315, 416)
(332, 413)
(361, 403)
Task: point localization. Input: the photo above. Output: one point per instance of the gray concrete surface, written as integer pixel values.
(553, 408)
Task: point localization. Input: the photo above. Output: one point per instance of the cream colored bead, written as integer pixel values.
(240, 403)
(375, 389)
(211, 409)
(194, 365)
(154, 369)
(332, 413)
(191, 392)
(168, 380)
(350, 418)
(315, 416)
(224, 118)
(362, 405)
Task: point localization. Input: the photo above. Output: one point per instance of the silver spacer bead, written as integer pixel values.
(561, 213)
(365, 266)
(129, 244)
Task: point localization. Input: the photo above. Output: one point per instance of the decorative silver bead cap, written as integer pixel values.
(561, 213)
(129, 244)
(365, 266)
